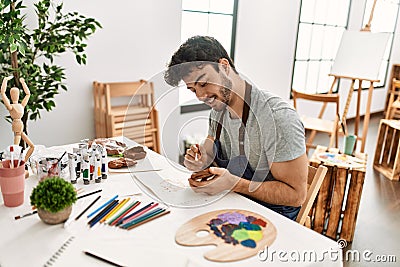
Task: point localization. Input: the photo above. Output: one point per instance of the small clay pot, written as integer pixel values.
(54, 218)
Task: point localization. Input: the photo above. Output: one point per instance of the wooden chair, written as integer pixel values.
(315, 178)
(393, 107)
(317, 123)
(126, 109)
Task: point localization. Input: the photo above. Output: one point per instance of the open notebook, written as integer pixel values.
(122, 252)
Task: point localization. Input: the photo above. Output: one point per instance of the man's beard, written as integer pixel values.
(225, 91)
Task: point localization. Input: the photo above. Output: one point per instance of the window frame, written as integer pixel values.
(383, 86)
(335, 89)
(201, 106)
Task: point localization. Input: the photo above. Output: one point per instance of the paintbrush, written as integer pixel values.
(11, 157)
(25, 215)
(59, 159)
(20, 156)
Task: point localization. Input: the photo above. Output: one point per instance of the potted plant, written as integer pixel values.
(28, 49)
(53, 199)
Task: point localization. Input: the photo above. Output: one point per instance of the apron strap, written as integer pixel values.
(245, 116)
(219, 125)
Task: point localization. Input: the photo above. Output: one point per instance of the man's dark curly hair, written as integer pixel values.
(199, 50)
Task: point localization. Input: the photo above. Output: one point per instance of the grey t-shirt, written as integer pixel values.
(274, 132)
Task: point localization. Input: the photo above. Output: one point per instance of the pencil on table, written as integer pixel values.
(102, 206)
(124, 212)
(86, 209)
(102, 259)
(139, 213)
(142, 217)
(103, 213)
(149, 219)
(114, 210)
(89, 194)
(122, 220)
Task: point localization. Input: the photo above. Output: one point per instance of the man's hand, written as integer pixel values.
(223, 180)
(196, 158)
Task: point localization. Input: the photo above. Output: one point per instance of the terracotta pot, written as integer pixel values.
(54, 218)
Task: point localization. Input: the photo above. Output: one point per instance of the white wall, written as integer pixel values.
(137, 40)
(266, 36)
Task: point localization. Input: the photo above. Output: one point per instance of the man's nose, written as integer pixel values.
(201, 95)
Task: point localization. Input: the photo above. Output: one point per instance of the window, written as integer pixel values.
(320, 30)
(215, 18)
(384, 20)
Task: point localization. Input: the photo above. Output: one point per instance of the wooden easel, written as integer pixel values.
(363, 137)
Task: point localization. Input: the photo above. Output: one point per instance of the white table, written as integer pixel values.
(30, 242)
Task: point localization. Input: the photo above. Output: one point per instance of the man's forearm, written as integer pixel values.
(273, 192)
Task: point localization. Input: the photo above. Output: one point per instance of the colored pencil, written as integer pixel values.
(124, 212)
(102, 259)
(114, 210)
(149, 219)
(140, 213)
(25, 215)
(143, 217)
(101, 216)
(102, 206)
(89, 194)
(133, 214)
(101, 213)
(86, 209)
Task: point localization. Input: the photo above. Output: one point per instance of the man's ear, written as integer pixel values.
(224, 64)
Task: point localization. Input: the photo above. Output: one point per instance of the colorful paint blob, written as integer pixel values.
(235, 228)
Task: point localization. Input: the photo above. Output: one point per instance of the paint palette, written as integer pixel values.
(341, 160)
(237, 234)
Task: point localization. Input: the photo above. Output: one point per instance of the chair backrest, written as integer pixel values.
(317, 123)
(315, 178)
(325, 98)
(140, 89)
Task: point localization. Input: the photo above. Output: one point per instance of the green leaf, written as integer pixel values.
(21, 49)
(13, 48)
(55, 33)
(78, 58)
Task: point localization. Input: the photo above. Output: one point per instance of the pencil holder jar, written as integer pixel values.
(12, 182)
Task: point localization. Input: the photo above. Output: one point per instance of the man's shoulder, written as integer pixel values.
(262, 99)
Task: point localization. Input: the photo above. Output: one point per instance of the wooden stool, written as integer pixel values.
(387, 152)
(334, 212)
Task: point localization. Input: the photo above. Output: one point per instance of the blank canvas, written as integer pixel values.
(360, 55)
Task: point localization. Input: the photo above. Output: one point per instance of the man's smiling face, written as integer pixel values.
(211, 87)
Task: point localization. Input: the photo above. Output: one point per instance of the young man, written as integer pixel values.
(256, 139)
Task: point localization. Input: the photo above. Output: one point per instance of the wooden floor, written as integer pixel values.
(377, 230)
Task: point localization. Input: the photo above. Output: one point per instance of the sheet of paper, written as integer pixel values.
(171, 186)
(125, 252)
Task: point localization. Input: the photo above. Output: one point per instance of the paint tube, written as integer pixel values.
(104, 163)
(92, 159)
(97, 167)
(82, 150)
(86, 169)
(72, 161)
